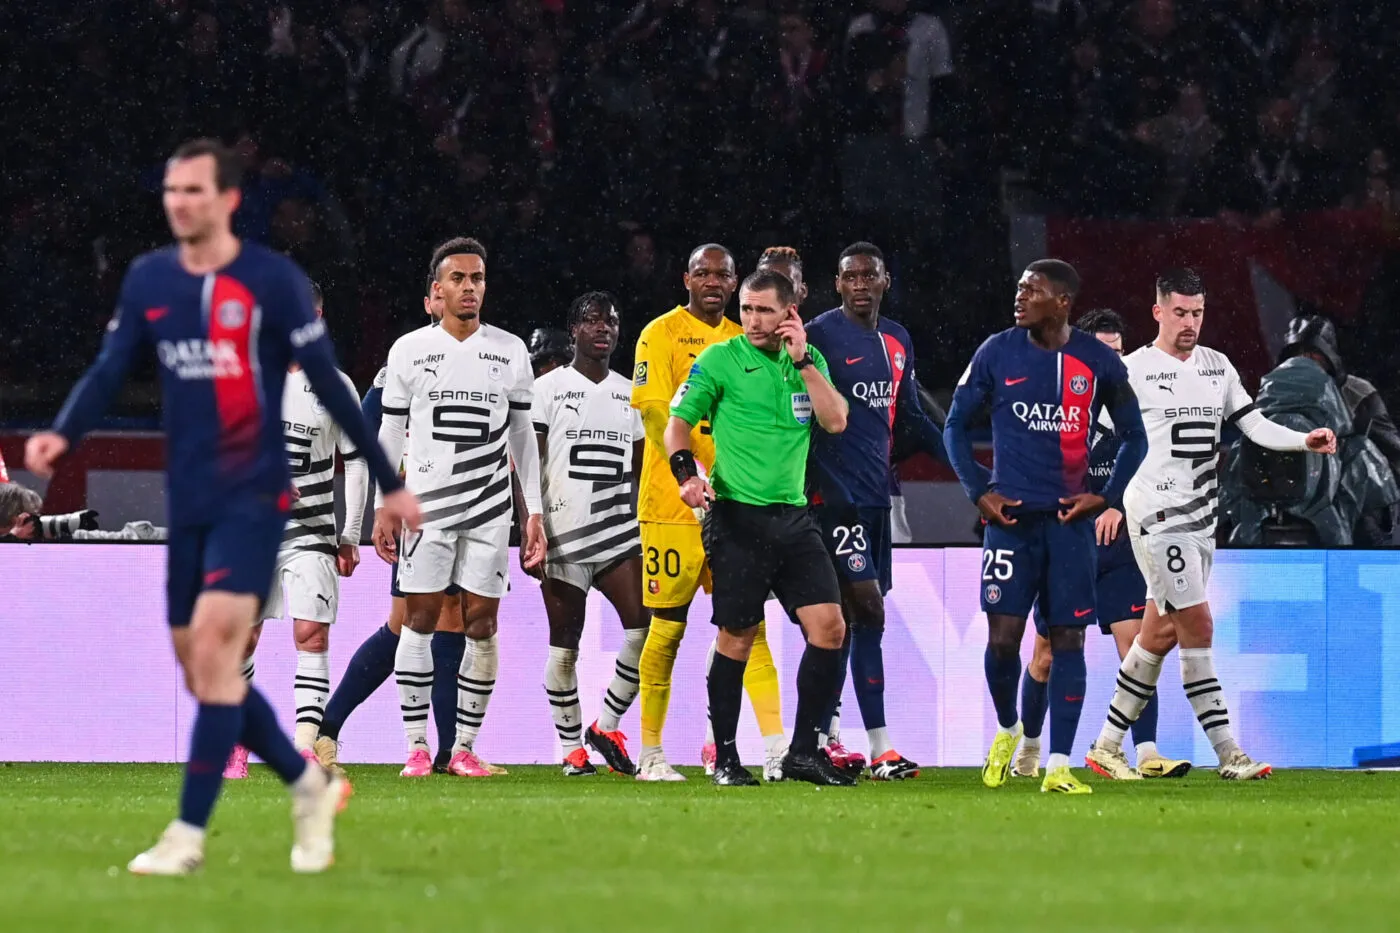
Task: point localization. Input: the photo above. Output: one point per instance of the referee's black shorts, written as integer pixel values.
(757, 549)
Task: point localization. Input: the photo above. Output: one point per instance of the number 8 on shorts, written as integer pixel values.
(1176, 568)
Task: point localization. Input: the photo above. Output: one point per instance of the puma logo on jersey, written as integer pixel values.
(572, 408)
(1166, 388)
(430, 369)
(324, 599)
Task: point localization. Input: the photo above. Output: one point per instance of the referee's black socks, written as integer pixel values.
(817, 676)
(726, 688)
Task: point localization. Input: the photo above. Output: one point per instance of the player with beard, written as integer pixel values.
(1188, 391)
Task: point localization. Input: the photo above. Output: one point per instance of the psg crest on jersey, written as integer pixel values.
(232, 314)
(993, 593)
(856, 562)
(1078, 385)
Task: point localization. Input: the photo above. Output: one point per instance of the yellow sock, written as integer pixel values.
(657, 661)
(761, 682)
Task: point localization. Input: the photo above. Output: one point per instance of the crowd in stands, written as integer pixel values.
(592, 143)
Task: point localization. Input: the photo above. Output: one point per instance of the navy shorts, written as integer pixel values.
(235, 554)
(1122, 592)
(394, 591)
(1039, 562)
(859, 543)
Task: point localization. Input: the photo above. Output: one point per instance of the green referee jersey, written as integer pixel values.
(761, 416)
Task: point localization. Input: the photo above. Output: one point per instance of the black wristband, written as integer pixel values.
(683, 466)
(804, 362)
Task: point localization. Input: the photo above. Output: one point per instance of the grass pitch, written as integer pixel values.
(536, 851)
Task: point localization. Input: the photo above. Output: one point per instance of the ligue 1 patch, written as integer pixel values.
(1078, 385)
(993, 593)
(1179, 584)
(640, 377)
(381, 380)
(802, 407)
(232, 314)
(680, 394)
(856, 562)
(495, 372)
(318, 406)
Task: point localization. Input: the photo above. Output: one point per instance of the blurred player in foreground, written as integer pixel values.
(1187, 391)
(226, 318)
(872, 365)
(673, 557)
(1121, 593)
(590, 441)
(762, 390)
(305, 581)
(1044, 382)
(468, 387)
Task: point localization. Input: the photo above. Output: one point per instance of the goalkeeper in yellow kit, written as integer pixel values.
(673, 560)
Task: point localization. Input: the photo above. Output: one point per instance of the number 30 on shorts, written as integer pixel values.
(996, 564)
(668, 563)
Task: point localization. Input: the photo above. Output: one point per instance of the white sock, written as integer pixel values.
(836, 723)
(1137, 678)
(879, 742)
(1014, 730)
(1207, 699)
(413, 670)
(247, 669)
(626, 680)
(561, 686)
(775, 745)
(1032, 745)
(476, 679)
(310, 689)
(709, 662)
(1147, 751)
(1057, 761)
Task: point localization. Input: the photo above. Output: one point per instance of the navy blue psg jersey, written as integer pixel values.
(1044, 405)
(223, 342)
(874, 370)
(1103, 454)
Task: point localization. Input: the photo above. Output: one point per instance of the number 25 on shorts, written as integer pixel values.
(996, 565)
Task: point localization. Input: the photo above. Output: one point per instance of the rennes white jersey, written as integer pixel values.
(589, 429)
(1183, 404)
(457, 396)
(312, 438)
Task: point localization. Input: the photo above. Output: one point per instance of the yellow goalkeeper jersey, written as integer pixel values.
(666, 350)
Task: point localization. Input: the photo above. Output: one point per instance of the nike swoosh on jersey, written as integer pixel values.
(1081, 613)
(155, 314)
(1141, 608)
(747, 370)
(214, 576)
(851, 361)
(1016, 382)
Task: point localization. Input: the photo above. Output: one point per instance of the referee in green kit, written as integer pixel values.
(760, 392)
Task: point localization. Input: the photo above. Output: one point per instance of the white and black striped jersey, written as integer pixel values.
(1184, 403)
(589, 428)
(312, 438)
(457, 395)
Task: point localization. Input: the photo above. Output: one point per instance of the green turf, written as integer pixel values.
(1313, 851)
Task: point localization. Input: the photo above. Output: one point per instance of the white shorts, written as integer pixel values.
(477, 560)
(304, 586)
(580, 575)
(1176, 567)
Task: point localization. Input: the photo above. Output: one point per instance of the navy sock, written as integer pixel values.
(1033, 698)
(216, 730)
(1002, 673)
(1145, 729)
(835, 707)
(264, 737)
(1067, 679)
(371, 665)
(868, 673)
(448, 649)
